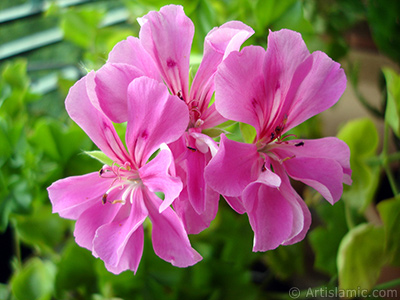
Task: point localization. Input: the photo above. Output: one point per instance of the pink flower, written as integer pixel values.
(275, 90)
(111, 205)
(162, 52)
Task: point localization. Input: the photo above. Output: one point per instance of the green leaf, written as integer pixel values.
(15, 89)
(248, 132)
(293, 18)
(4, 291)
(43, 139)
(213, 132)
(362, 138)
(390, 215)
(41, 229)
(76, 272)
(80, 27)
(385, 30)
(285, 261)
(267, 12)
(100, 156)
(392, 114)
(35, 281)
(325, 239)
(57, 141)
(361, 257)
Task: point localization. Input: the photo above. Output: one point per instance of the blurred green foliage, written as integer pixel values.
(40, 144)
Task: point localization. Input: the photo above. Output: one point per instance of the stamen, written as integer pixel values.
(199, 122)
(180, 96)
(118, 201)
(287, 158)
(263, 168)
(104, 198)
(120, 186)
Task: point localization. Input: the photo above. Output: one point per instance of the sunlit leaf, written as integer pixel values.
(100, 156)
(392, 113)
(361, 257)
(268, 12)
(43, 138)
(248, 132)
(389, 211)
(80, 27)
(35, 281)
(362, 138)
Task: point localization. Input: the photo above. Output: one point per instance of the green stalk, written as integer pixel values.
(17, 248)
(387, 285)
(386, 161)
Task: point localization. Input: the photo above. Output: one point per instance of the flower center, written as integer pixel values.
(125, 179)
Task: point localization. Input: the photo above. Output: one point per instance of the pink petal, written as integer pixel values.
(155, 117)
(211, 117)
(170, 240)
(306, 222)
(236, 203)
(323, 164)
(218, 43)
(130, 254)
(324, 175)
(167, 36)
(197, 204)
(302, 84)
(73, 195)
(112, 82)
(240, 94)
(155, 176)
(270, 215)
(82, 107)
(91, 219)
(320, 89)
(286, 51)
(194, 222)
(301, 213)
(204, 143)
(196, 185)
(120, 243)
(233, 167)
(131, 52)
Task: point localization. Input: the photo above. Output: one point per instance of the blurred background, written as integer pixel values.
(46, 46)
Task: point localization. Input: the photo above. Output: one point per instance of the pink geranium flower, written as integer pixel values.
(111, 205)
(162, 52)
(275, 90)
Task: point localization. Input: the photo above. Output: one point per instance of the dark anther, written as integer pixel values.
(179, 94)
(263, 168)
(104, 198)
(101, 172)
(299, 144)
(191, 148)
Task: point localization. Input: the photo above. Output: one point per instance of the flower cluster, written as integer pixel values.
(145, 84)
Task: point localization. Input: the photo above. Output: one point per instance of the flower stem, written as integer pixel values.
(386, 285)
(386, 161)
(17, 249)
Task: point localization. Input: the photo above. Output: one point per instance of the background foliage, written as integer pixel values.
(350, 245)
